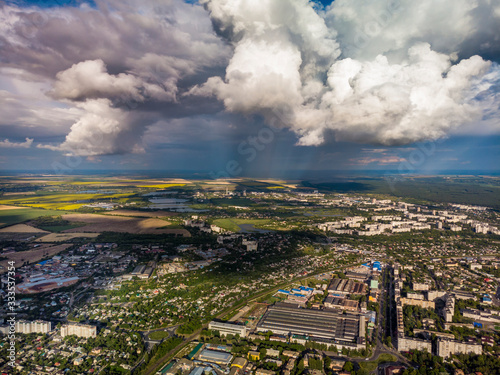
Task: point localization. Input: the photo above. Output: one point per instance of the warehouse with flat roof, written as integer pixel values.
(213, 356)
(226, 328)
(331, 327)
(346, 286)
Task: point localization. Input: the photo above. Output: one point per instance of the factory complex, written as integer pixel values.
(299, 325)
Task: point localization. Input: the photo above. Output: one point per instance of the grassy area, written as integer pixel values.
(60, 228)
(253, 184)
(59, 200)
(200, 206)
(10, 217)
(172, 226)
(233, 224)
(227, 224)
(243, 202)
(162, 355)
(372, 365)
(158, 335)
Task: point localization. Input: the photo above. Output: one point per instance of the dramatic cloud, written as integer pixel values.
(420, 98)
(90, 80)
(123, 61)
(26, 110)
(281, 49)
(7, 144)
(400, 78)
(389, 86)
(370, 28)
(124, 34)
(103, 130)
(377, 72)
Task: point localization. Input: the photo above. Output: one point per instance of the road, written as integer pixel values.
(73, 298)
(386, 296)
(439, 284)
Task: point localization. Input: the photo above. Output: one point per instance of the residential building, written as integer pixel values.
(37, 326)
(445, 348)
(80, 330)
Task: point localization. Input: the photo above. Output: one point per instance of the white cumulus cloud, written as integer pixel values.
(8, 144)
(365, 71)
(102, 130)
(90, 79)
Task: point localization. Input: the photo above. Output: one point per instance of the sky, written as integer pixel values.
(250, 87)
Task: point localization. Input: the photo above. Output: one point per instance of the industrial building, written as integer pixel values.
(228, 328)
(330, 327)
(360, 276)
(214, 356)
(345, 286)
(340, 303)
(195, 350)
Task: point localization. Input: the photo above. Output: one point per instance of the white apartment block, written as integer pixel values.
(80, 330)
(445, 348)
(37, 326)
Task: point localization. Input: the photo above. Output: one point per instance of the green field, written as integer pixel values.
(10, 217)
(158, 335)
(60, 228)
(372, 365)
(243, 202)
(232, 224)
(55, 200)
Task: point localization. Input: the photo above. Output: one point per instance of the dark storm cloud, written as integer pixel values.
(123, 64)
(384, 72)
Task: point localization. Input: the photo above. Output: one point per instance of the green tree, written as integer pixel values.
(300, 366)
(327, 362)
(348, 366)
(263, 353)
